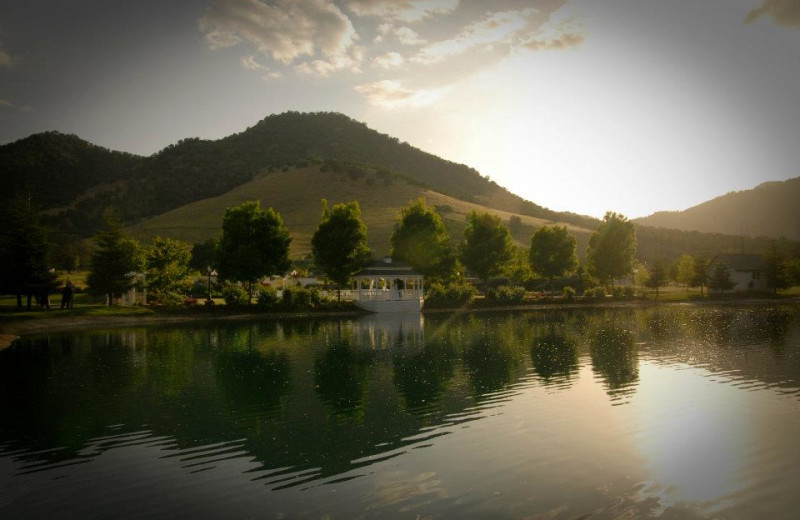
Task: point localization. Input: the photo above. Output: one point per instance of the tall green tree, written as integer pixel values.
(420, 239)
(720, 279)
(700, 275)
(168, 269)
(552, 254)
(115, 256)
(339, 244)
(777, 273)
(685, 270)
(203, 255)
(612, 248)
(657, 277)
(487, 245)
(24, 249)
(254, 244)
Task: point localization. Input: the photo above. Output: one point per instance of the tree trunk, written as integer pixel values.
(339, 292)
(19, 301)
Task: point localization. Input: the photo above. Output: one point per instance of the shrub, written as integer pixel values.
(267, 298)
(598, 292)
(506, 294)
(568, 293)
(234, 294)
(629, 291)
(301, 298)
(453, 294)
(617, 292)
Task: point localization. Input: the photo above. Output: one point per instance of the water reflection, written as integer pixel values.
(554, 357)
(615, 358)
(298, 404)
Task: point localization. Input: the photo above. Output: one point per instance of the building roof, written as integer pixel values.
(741, 262)
(387, 267)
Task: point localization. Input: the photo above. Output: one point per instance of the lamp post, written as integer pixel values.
(211, 272)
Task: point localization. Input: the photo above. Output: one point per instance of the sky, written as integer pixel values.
(634, 106)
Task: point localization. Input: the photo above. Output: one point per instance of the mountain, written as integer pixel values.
(771, 209)
(76, 180)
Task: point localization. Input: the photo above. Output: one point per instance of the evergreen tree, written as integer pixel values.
(776, 269)
(339, 244)
(115, 257)
(720, 279)
(420, 239)
(612, 248)
(552, 253)
(254, 244)
(487, 245)
(24, 249)
(700, 275)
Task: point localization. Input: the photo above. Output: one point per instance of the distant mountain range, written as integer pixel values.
(770, 209)
(288, 161)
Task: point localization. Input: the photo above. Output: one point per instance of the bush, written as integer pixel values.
(234, 295)
(629, 291)
(617, 292)
(454, 294)
(568, 293)
(506, 294)
(267, 298)
(598, 292)
(302, 298)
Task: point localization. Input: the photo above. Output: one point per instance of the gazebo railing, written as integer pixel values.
(385, 295)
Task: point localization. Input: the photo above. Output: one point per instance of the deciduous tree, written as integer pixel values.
(254, 244)
(420, 239)
(167, 268)
(777, 273)
(552, 254)
(612, 248)
(340, 243)
(657, 277)
(720, 279)
(487, 245)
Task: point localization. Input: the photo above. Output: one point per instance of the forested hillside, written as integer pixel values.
(770, 209)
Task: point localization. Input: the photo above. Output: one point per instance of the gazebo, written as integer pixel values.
(387, 286)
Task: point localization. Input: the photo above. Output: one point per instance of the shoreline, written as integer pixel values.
(15, 329)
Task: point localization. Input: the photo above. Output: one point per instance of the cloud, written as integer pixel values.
(402, 10)
(554, 36)
(327, 67)
(782, 12)
(285, 29)
(250, 63)
(6, 104)
(5, 58)
(392, 94)
(403, 34)
(390, 60)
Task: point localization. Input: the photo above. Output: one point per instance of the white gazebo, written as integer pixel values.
(386, 286)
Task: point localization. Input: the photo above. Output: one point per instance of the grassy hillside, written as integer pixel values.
(770, 209)
(296, 194)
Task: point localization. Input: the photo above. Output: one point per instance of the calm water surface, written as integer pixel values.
(671, 412)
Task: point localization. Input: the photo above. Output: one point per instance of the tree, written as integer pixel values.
(486, 246)
(657, 277)
(612, 248)
(420, 239)
(700, 276)
(24, 253)
(685, 270)
(777, 274)
(339, 244)
(720, 279)
(167, 268)
(254, 244)
(552, 253)
(114, 258)
(203, 255)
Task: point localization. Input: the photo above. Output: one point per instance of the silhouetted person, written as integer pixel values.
(66, 296)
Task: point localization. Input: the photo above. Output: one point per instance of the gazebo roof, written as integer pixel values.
(386, 267)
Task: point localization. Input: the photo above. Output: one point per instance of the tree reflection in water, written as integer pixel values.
(422, 377)
(341, 375)
(554, 356)
(615, 359)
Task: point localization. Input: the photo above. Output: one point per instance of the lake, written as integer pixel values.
(676, 411)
